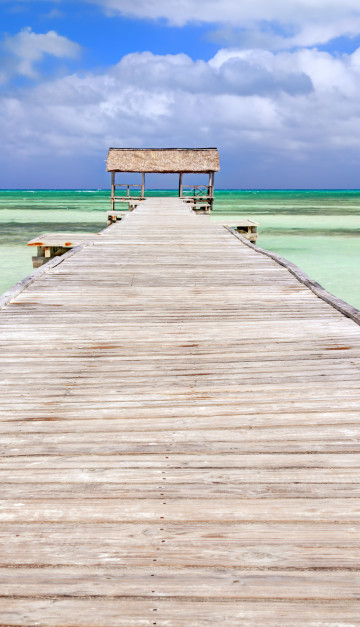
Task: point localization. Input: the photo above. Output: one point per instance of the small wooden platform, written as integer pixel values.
(63, 240)
(116, 216)
(51, 245)
(248, 228)
(180, 433)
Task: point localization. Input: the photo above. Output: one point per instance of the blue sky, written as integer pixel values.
(276, 86)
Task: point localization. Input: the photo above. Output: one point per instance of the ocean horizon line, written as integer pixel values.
(172, 189)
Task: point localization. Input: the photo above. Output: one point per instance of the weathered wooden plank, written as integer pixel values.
(180, 510)
(194, 583)
(79, 490)
(173, 460)
(139, 612)
(114, 476)
(242, 545)
(55, 408)
(181, 423)
(247, 436)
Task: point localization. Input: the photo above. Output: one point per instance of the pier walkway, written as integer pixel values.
(180, 437)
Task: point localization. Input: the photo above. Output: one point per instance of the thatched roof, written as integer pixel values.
(163, 160)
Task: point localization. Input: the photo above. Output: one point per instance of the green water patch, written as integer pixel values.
(332, 261)
(14, 233)
(308, 203)
(312, 232)
(15, 264)
(52, 217)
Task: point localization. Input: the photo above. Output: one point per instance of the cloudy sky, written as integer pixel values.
(274, 84)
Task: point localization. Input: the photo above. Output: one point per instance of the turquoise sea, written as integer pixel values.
(317, 230)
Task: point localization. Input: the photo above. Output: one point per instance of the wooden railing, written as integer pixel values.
(196, 191)
(127, 187)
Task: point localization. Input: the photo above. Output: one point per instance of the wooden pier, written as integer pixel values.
(180, 436)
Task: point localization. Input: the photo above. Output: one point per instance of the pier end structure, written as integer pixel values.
(164, 161)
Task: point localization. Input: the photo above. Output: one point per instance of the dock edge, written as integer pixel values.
(345, 308)
(16, 289)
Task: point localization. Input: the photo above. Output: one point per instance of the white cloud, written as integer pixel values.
(274, 23)
(184, 11)
(307, 22)
(289, 105)
(25, 49)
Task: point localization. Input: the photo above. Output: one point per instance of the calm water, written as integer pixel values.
(317, 230)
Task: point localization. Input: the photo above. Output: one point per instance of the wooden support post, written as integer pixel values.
(112, 191)
(180, 184)
(211, 189)
(143, 185)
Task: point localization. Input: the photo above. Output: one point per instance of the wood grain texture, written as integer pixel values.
(179, 436)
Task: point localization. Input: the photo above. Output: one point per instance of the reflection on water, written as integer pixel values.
(317, 230)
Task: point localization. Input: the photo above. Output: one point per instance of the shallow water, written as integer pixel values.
(317, 230)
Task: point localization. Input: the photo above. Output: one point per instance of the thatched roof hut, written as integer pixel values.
(166, 160)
